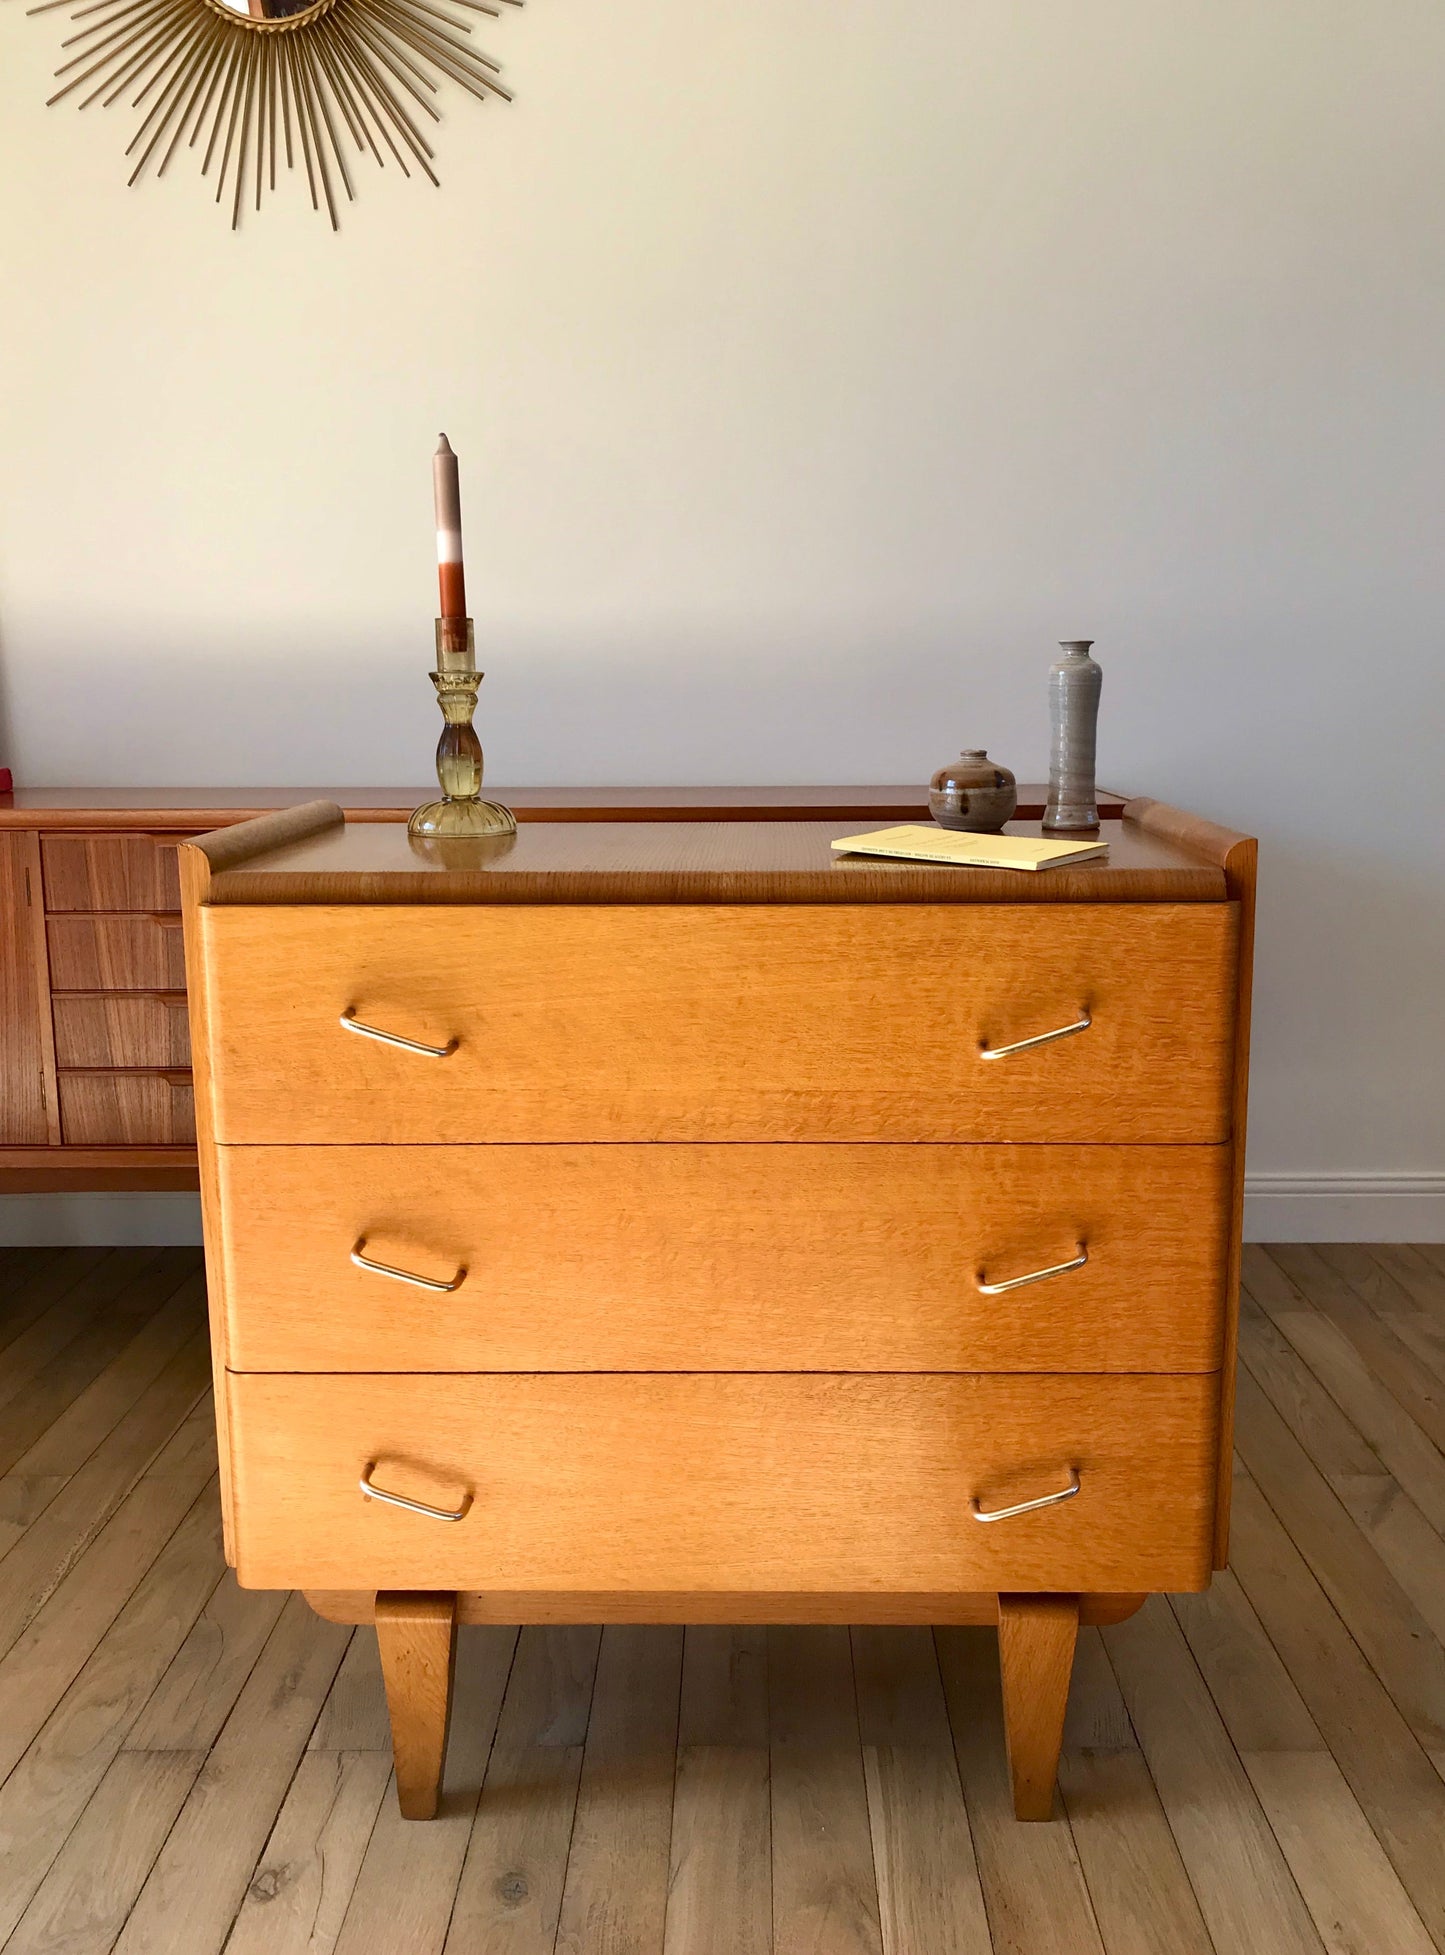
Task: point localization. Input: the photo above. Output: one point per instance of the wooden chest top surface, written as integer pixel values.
(680, 862)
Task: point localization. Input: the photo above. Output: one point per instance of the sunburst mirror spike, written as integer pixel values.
(251, 85)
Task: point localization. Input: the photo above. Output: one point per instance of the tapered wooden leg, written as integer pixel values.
(1036, 1656)
(418, 1638)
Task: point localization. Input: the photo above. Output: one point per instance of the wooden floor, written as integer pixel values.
(188, 1768)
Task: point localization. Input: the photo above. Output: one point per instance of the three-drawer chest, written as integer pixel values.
(686, 1223)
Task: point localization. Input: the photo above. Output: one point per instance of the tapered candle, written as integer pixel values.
(450, 573)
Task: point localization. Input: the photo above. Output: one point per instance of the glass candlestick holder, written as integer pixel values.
(461, 812)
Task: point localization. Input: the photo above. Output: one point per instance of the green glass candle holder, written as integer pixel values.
(461, 812)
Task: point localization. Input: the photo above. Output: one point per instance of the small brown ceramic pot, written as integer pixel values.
(974, 793)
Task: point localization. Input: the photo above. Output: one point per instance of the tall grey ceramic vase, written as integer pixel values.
(1074, 684)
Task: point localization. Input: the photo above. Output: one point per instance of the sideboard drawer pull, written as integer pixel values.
(1028, 1506)
(352, 1023)
(1034, 1276)
(373, 1492)
(1039, 1038)
(405, 1275)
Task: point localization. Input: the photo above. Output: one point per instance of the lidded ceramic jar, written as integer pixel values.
(973, 793)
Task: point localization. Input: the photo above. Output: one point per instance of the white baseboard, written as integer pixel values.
(1277, 1208)
(114, 1220)
(1344, 1207)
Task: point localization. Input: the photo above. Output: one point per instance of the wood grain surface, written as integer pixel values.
(58, 809)
(127, 1109)
(23, 1013)
(764, 1023)
(659, 1258)
(1036, 1658)
(672, 862)
(122, 1029)
(722, 1482)
(1238, 856)
(417, 1635)
(110, 872)
(756, 1607)
(116, 953)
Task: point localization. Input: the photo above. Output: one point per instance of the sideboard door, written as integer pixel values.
(24, 1121)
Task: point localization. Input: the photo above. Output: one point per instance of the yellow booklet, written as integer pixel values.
(921, 844)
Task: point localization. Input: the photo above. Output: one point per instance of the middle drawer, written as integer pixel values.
(729, 1258)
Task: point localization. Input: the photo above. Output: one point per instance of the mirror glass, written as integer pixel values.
(269, 9)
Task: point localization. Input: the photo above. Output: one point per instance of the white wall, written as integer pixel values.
(815, 365)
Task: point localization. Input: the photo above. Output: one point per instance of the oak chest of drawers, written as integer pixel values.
(685, 1223)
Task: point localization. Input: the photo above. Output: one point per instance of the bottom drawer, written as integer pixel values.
(114, 1109)
(723, 1482)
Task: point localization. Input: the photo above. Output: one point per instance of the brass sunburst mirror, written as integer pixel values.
(248, 84)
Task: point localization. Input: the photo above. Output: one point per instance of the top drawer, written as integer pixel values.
(110, 872)
(754, 1022)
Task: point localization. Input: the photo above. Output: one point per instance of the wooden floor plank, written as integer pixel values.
(68, 1442)
(195, 1696)
(1376, 1414)
(81, 1905)
(47, 1658)
(724, 1687)
(929, 1891)
(825, 1892)
(614, 1900)
(721, 1866)
(1403, 1289)
(509, 1898)
(1400, 1792)
(1246, 1892)
(1379, 1615)
(720, 1863)
(1396, 1366)
(193, 1892)
(32, 1287)
(38, 1563)
(1141, 1894)
(408, 1880)
(1377, 1505)
(297, 1898)
(1353, 1893)
(354, 1716)
(47, 1791)
(1033, 1885)
(52, 1360)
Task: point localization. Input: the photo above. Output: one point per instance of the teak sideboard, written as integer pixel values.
(95, 1060)
(682, 1222)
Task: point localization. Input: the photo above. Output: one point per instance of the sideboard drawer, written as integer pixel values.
(116, 953)
(723, 1482)
(122, 1028)
(110, 872)
(724, 1258)
(134, 1109)
(748, 1022)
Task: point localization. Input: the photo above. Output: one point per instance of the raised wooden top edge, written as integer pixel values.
(667, 862)
(228, 847)
(1191, 832)
(64, 810)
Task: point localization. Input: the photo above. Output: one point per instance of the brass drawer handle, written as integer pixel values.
(352, 1023)
(1034, 1275)
(1028, 1506)
(1039, 1038)
(372, 1492)
(405, 1275)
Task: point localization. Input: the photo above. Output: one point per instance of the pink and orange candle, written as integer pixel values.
(451, 572)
